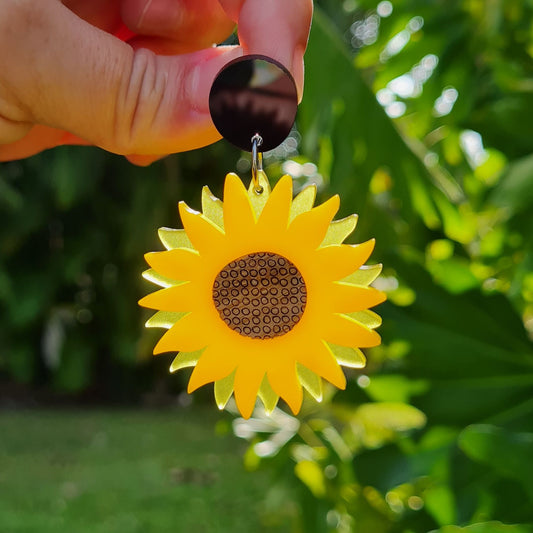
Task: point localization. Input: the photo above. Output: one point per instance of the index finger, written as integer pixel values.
(275, 28)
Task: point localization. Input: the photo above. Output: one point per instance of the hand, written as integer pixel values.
(130, 76)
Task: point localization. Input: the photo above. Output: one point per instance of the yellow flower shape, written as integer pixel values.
(260, 295)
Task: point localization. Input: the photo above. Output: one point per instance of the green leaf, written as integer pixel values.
(514, 192)
(383, 421)
(454, 274)
(440, 503)
(509, 453)
(310, 473)
(395, 388)
(486, 527)
(341, 107)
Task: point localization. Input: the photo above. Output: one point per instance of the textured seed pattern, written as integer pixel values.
(260, 295)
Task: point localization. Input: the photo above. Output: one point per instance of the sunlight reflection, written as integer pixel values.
(398, 42)
(472, 145)
(403, 86)
(384, 9)
(365, 31)
(363, 381)
(410, 85)
(396, 109)
(395, 45)
(445, 102)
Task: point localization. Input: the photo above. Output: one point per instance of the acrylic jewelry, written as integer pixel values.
(259, 293)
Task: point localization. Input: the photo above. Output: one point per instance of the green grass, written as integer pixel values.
(123, 472)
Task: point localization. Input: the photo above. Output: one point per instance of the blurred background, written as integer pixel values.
(419, 113)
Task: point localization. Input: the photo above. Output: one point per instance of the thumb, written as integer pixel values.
(72, 76)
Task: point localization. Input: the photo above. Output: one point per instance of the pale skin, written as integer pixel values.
(67, 78)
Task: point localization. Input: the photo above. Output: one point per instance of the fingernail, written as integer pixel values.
(298, 70)
(203, 74)
(159, 16)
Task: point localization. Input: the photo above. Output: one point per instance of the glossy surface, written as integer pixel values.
(330, 329)
(253, 94)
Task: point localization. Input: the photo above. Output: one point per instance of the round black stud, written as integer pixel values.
(254, 95)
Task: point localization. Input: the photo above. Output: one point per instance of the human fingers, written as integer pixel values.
(143, 160)
(164, 46)
(275, 28)
(166, 27)
(152, 29)
(104, 14)
(191, 24)
(94, 86)
(41, 138)
(36, 139)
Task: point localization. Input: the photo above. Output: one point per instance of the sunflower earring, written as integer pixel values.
(259, 293)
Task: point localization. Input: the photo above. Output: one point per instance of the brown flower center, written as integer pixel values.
(260, 295)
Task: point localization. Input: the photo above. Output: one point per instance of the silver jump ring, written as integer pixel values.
(257, 162)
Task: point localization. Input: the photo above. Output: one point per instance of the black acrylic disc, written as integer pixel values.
(253, 94)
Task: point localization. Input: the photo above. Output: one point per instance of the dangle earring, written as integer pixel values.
(258, 292)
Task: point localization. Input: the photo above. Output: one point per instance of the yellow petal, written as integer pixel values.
(187, 335)
(248, 378)
(163, 319)
(268, 396)
(259, 200)
(311, 226)
(212, 207)
(239, 218)
(365, 275)
(178, 264)
(310, 381)
(346, 298)
(224, 390)
(303, 202)
(340, 229)
(174, 238)
(338, 281)
(346, 356)
(212, 366)
(177, 298)
(185, 360)
(368, 318)
(339, 260)
(319, 359)
(204, 235)
(284, 381)
(275, 215)
(340, 329)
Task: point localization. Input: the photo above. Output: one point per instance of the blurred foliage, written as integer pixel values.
(75, 225)
(419, 114)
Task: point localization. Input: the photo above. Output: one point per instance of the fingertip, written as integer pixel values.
(298, 70)
(143, 160)
(37, 139)
(203, 72)
(278, 29)
(202, 22)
